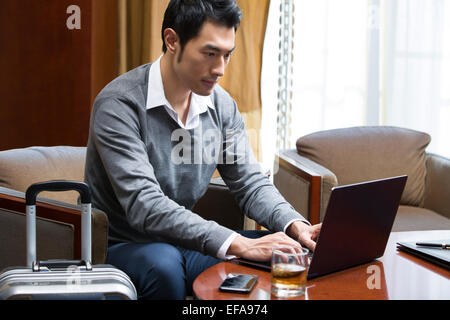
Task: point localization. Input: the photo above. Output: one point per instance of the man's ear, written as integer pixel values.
(172, 40)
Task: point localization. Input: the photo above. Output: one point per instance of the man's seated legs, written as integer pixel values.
(156, 269)
(163, 271)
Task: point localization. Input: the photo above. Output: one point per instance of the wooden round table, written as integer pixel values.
(396, 275)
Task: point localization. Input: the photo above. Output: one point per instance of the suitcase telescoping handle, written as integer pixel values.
(58, 185)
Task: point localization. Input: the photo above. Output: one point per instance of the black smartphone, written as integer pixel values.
(237, 282)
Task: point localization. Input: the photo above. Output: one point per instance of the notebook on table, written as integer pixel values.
(434, 255)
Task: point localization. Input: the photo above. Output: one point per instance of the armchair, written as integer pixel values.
(58, 215)
(59, 220)
(323, 160)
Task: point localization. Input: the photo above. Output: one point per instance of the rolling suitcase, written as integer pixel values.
(63, 279)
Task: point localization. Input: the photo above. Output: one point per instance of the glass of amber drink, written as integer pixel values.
(289, 271)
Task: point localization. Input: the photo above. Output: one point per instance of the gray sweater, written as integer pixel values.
(147, 173)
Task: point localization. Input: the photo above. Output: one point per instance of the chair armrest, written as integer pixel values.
(305, 184)
(437, 184)
(65, 213)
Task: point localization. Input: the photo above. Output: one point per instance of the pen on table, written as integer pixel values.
(434, 245)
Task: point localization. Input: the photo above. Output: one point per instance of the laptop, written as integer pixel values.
(356, 227)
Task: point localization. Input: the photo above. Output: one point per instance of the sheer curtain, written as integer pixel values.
(269, 87)
(416, 79)
(329, 69)
(345, 75)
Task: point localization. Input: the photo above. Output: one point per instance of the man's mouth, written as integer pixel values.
(209, 83)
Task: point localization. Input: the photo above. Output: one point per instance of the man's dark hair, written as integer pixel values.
(186, 17)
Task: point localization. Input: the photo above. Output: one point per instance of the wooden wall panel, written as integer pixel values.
(105, 44)
(49, 75)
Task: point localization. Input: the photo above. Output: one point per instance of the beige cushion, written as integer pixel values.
(368, 153)
(416, 219)
(437, 187)
(19, 168)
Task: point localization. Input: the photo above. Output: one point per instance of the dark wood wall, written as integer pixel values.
(49, 74)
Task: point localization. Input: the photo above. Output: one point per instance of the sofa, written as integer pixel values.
(322, 160)
(58, 234)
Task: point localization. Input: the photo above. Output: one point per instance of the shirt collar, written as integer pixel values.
(156, 96)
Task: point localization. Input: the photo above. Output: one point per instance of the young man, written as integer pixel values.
(143, 173)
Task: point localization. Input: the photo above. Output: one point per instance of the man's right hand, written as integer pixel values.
(260, 249)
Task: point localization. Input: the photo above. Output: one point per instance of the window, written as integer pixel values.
(374, 62)
(416, 74)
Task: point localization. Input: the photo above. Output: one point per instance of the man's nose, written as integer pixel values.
(219, 67)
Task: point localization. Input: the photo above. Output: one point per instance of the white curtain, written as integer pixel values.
(333, 68)
(329, 69)
(416, 79)
(269, 87)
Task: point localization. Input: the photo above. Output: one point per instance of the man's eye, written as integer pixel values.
(209, 54)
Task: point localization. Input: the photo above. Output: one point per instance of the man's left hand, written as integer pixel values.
(305, 234)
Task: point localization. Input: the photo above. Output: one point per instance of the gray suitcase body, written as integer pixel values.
(63, 279)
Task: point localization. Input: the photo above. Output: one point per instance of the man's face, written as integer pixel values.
(204, 58)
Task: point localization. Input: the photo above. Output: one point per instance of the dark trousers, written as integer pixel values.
(163, 271)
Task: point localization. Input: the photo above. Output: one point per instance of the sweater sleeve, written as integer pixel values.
(256, 195)
(147, 209)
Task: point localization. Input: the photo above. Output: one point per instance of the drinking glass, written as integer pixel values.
(289, 271)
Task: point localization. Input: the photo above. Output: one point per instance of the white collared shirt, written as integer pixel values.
(198, 105)
(157, 98)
